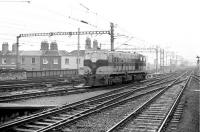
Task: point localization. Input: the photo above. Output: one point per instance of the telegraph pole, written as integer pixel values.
(156, 59)
(112, 36)
(198, 62)
(162, 61)
(17, 53)
(78, 50)
(166, 58)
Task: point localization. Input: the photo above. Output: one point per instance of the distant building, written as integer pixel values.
(7, 58)
(70, 61)
(50, 60)
(44, 59)
(5, 49)
(47, 58)
(30, 60)
(7, 61)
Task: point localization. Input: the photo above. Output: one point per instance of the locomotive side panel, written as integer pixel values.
(106, 68)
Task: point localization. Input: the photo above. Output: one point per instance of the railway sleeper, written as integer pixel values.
(23, 130)
(144, 127)
(42, 123)
(50, 120)
(148, 124)
(159, 105)
(157, 109)
(156, 114)
(153, 116)
(154, 111)
(150, 117)
(177, 114)
(74, 112)
(34, 126)
(64, 115)
(128, 129)
(59, 118)
(176, 120)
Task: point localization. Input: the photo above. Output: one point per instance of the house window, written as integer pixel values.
(23, 60)
(55, 61)
(33, 60)
(3, 60)
(12, 61)
(66, 61)
(45, 61)
(78, 61)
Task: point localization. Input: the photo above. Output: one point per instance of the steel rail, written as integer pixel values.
(93, 110)
(64, 91)
(47, 112)
(41, 93)
(96, 109)
(143, 106)
(171, 111)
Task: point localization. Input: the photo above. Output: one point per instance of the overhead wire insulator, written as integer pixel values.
(84, 22)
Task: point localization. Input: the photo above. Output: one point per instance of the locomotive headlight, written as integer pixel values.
(94, 59)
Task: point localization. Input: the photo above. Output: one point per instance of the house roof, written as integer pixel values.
(44, 53)
(31, 53)
(8, 53)
(50, 53)
(63, 52)
(75, 52)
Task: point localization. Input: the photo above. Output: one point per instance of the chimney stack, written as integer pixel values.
(5, 48)
(53, 46)
(95, 45)
(87, 43)
(14, 48)
(44, 45)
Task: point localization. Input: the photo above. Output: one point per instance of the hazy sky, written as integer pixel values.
(171, 24)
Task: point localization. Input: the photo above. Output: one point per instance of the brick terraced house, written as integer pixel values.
(47, 58)
(44, 59)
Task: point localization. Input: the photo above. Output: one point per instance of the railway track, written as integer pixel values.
(9, 86)
(154, 114)
(30, 85)
(56, 117)
(176, 117)
(64, 90)
(173, 123)
(27, 95)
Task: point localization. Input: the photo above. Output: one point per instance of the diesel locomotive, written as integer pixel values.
(103, 67)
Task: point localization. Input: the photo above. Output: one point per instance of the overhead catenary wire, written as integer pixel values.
(63, 15)
(16, 1)
(45, 17)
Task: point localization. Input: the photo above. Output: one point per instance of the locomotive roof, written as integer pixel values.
(113, 52)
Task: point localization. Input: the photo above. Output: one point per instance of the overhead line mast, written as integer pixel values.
(110, 32)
